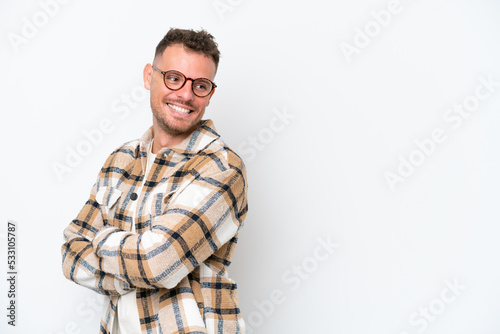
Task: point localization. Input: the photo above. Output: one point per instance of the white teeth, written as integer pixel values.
(179, 109)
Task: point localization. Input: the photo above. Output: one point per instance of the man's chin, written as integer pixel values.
(178, 129)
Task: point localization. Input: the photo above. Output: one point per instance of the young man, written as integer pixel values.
(159, 229)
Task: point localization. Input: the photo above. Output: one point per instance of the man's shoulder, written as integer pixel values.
(123, 154)
(222, 156)
(212, 146)
(130, 147)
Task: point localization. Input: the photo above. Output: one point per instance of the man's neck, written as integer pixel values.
(163, 139)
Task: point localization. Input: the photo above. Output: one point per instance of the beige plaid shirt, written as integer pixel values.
(187, 218)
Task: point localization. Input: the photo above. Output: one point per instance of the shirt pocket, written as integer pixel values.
(162, 197)
(108, 197)
(159, 202)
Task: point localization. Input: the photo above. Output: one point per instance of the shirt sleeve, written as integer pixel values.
(80, 264)
(204, 213)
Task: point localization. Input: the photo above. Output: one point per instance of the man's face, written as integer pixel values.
(179, 112)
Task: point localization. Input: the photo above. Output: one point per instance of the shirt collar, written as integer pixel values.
(195, 142)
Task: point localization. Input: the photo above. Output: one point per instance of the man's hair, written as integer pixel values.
(195, 41)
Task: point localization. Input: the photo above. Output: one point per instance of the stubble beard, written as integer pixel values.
(166, 126)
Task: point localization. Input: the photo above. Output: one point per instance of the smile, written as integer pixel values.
(179, 109)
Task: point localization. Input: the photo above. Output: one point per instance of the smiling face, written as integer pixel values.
(176, 114)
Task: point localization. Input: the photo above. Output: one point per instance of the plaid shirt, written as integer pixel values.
(187, 219)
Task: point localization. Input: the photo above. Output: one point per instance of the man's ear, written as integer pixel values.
(148, 76)
(210, 96)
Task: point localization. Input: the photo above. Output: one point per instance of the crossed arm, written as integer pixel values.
(201, 217)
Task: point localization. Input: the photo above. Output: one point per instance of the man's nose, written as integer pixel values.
(186, 92)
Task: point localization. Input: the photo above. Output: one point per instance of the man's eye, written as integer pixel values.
(202, 87)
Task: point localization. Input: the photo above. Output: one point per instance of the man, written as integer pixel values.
(159, 229)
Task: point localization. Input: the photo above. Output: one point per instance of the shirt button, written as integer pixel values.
(133, 197)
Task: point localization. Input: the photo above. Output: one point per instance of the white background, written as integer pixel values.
(321, 175)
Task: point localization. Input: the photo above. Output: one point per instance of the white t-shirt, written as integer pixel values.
(127, 315)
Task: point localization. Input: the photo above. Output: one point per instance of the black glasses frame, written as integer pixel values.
(185, 80)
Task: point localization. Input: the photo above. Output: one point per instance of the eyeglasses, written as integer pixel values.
(175, 80)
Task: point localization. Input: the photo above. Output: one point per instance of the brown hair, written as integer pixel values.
(196, 41)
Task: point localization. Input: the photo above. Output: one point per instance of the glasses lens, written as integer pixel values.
(202, 87)
(174, 80)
